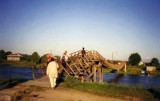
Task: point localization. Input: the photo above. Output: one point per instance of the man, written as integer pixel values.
(83, 52)
(52, 72)
(64, 59)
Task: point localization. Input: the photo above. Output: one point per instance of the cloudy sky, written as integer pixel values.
(120, 27)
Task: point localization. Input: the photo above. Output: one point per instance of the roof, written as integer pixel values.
(14, 55)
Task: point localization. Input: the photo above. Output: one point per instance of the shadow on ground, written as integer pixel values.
(155, 93)
(12, 83)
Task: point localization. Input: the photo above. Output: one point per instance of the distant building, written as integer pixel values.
(150, 68)
(13, 57)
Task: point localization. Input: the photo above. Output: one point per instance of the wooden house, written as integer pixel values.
(13, 57)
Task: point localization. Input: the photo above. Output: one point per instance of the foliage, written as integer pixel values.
(35, 58)
(26, 58)
(43, 59)
(134, 59)
(155, 62)
(7, 53)
(2, 54)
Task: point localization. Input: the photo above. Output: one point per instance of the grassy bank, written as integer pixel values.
(112, 90)
(132, 70)
(21, 64)
(17, 63)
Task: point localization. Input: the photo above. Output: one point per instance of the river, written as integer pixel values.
(125, 80)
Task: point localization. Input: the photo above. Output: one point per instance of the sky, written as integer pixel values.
(115, 28)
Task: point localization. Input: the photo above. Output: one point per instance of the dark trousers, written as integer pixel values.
(64, 64)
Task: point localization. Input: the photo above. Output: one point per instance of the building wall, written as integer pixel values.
(150, 68)
(13, 58)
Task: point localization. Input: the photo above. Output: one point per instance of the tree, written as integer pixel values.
(134, 59)
(2, 55)
(26, 57)
(7, 53)
(155, 62)
(35, 58)
(43, 59)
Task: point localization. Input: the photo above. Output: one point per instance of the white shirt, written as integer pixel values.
(52, 69)
(66, 57)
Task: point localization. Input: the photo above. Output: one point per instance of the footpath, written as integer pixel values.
(39, 90)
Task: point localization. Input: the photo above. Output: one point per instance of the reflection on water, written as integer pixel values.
(133, 80)
(127, 80)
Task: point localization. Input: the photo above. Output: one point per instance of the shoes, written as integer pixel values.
(53, 88)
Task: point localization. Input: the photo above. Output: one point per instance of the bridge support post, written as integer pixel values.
(95, 76)
(100, 75)
(125, 68)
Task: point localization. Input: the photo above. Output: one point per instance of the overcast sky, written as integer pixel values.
(121, 27)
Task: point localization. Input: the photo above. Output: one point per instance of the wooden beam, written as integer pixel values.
(71, 69)
(94, 75)
(65, 70)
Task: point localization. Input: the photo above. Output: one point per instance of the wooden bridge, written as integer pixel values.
(88, 67)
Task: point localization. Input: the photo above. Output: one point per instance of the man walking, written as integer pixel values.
(52, 72)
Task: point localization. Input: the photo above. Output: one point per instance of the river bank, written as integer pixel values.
(21, 64)
(136, 70)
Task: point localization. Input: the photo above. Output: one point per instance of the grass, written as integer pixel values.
(113, 90)
(17, 63)
(132, 70)
(21, 64)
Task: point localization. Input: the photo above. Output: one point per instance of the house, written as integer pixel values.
(13, 57)
(150, 68)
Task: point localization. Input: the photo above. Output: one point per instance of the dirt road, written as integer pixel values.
(59, 94)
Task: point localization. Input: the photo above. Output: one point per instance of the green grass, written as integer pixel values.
(17, 63)
(132, 70)
(112, 90)
(21, 64)
(155, 73)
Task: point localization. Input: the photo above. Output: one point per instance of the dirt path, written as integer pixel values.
(59, 94)
(63, 94)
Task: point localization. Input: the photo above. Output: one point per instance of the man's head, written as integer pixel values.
(65, 52)
(52, 59)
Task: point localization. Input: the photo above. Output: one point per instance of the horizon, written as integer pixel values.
(108, 26)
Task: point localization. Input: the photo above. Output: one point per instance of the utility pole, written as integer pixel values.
(112, 56)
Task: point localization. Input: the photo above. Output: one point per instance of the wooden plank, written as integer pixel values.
(65, 70)
(71, 69)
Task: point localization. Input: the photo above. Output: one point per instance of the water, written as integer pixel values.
(126, 80)
(133, 80)
(9, 72)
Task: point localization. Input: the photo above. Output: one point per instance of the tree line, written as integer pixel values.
(34, 57)
(133, 60)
